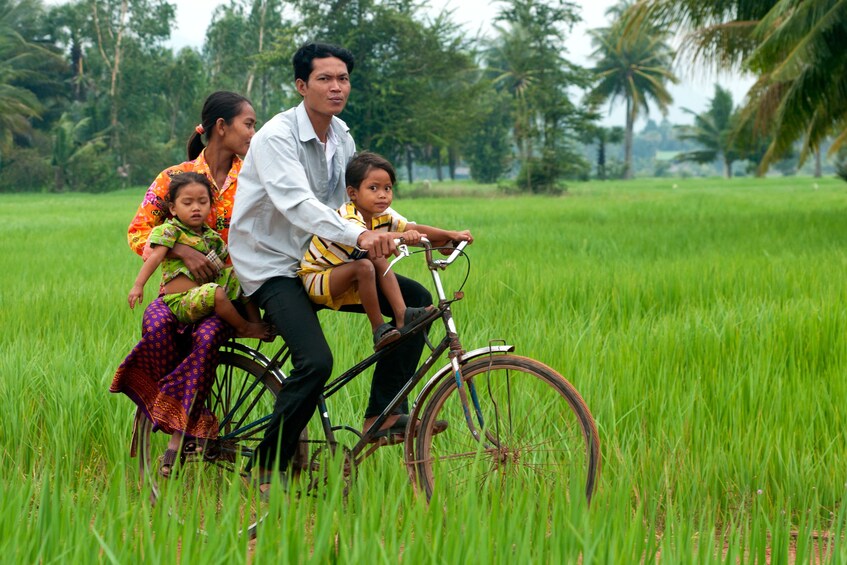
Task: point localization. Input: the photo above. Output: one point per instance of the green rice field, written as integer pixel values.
(703, 321)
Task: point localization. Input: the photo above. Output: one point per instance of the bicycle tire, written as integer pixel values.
(536, 432)
(243, 394)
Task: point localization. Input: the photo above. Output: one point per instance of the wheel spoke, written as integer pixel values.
(241, 397)
(538, 432)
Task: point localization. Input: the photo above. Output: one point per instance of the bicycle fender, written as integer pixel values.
(447, 370)
(260, 358)
(420, 399)
(248, 351)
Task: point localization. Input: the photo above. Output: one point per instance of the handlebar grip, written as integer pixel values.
(424, 241)
(456, 251)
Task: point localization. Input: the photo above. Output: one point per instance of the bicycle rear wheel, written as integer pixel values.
(535, 432)
(215, 480)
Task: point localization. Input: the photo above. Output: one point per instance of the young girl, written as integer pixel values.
(336, 275)
(189, 202)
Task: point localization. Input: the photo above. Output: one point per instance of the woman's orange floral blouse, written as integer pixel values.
(154, 208)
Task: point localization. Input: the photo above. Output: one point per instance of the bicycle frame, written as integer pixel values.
(448, 397)
(450, 342)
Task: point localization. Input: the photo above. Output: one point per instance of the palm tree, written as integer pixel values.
(713, 129)
(19, 60)
(527, 61)
(70, 144)
(515, 70)
(602, 136)
(68, 24)
(633, 63)
(794, 47)
(17, 105)
(802, 68)
(718, 33)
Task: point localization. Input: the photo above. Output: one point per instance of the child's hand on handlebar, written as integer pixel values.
(464, 235)
(411, 237)
(454, 237)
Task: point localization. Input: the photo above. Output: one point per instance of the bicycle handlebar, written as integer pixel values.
(457, 250)
(433, 264)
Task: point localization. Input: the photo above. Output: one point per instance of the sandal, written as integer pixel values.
(385, 334)
(397, 431)
(167, 465)
(413, 317)
(193, 449)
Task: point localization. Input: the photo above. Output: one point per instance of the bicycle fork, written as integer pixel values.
(465, 388)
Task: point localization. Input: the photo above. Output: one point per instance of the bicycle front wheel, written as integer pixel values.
(529, 431)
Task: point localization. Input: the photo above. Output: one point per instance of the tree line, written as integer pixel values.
(92, 99)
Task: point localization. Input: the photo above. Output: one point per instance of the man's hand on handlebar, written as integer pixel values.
(377, 244)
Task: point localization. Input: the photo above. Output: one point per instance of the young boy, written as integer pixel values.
(336, 275)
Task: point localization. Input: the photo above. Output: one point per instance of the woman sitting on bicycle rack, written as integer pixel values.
(337, 275)
(169, 373)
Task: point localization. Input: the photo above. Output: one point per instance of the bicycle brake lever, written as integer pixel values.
(404, 252)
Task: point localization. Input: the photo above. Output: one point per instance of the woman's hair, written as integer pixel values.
(184, 179)
(220, 104)
(302, 60)
(363, 162)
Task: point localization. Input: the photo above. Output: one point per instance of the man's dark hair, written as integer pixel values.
(302, 60)
(363, 162)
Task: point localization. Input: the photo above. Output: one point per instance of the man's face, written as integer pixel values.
(328, 87)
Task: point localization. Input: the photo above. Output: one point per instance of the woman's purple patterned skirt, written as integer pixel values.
(169, 374)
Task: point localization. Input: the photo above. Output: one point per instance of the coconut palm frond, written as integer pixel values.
(724, 45)
(841, 139)
(808, 35)
(695, 14)
(698, 156)
(811, 97)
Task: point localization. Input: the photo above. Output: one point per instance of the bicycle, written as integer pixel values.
(511, 421)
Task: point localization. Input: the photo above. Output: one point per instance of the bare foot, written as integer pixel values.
(175, 442)
(258, 330)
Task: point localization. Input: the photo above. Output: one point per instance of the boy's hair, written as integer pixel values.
(363, 162)
(184, 179)
(302, 60)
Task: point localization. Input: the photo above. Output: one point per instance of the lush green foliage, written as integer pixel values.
(633, 63)
(703, 322)
(603, 136)
(487, 149)
(793, 47)
(722, 135)
(90, 91)
(248, 50)
(526, 61)
(801, 67)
